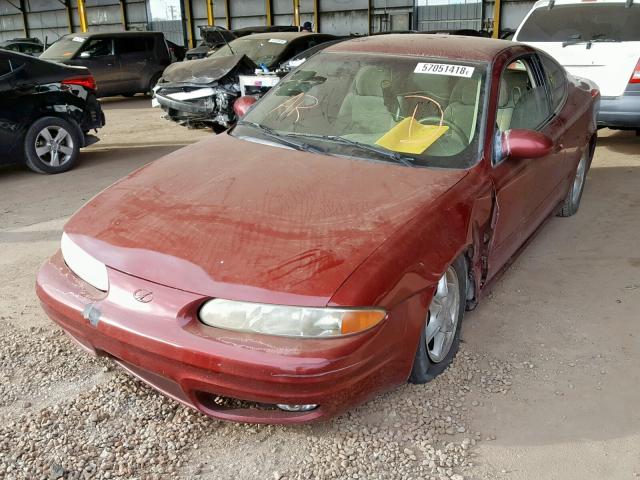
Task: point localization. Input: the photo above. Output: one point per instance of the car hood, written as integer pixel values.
(235, 219)
(206, 70)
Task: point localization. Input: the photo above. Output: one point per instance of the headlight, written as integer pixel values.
(287, 321)
(84, 265)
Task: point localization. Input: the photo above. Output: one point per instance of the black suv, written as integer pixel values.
(123, 63)
(46, 112)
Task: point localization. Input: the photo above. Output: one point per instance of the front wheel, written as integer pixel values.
(440, 337)
(51, 145)
(152, 84)
(571, 202)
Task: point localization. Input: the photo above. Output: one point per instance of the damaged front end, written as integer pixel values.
(201, 93)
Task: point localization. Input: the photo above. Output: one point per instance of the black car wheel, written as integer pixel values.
(440, 337)
(571, 202)
(52, 145)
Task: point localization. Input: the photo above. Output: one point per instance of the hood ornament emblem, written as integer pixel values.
(143, 296)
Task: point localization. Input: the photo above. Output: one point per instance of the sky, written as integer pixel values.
(163, 9)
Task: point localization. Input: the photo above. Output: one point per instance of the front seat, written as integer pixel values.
(462, 105)
(363, 109)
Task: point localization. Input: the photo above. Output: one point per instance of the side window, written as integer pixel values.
(137, 45)
(5, 66)
(98, 47)
(9, 64)
(523, 101)
(556, 79)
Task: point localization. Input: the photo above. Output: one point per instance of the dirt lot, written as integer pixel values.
(546, 385)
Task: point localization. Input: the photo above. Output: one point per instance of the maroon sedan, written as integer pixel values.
(326, 248)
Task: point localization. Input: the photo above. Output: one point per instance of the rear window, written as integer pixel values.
(582, 21)
(5, 66)
(64, 49)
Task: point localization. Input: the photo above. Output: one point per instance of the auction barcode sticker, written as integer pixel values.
(444, 69)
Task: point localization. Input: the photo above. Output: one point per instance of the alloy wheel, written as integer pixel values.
(54, 146)
(442, 318)
(578, 181)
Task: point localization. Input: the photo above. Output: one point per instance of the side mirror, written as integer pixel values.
(85, 55)
(242, 105)
(520, 143)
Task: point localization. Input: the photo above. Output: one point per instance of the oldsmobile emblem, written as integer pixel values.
(143, 296)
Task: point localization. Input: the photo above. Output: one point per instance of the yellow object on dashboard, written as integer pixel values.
(409, 136)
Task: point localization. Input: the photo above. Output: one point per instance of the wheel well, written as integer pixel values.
(592, 143)
(471, 295)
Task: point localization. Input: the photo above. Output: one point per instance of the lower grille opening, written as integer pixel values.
(220, 402)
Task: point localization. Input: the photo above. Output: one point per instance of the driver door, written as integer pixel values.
(522, 103)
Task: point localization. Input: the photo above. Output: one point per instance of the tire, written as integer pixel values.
(431, 361)
(571, 202)
(43, 157)
(152, 83)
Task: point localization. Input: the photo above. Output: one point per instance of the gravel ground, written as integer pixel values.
(517, 402)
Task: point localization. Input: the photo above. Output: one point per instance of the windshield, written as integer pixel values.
(260, 50)
(582, 22)
(423, 111)
(63, 49)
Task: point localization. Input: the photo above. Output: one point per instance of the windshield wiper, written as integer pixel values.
(575, 39)
(601, 37)
(398, 157)
(280, 137)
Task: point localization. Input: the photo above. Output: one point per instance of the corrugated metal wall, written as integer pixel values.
(449, 15)
(48, 18)
(10, 21)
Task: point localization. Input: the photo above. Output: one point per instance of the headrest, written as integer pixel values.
(368, 81)
(503, 99)
(465, 91)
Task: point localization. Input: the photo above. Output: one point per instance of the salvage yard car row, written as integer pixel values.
(324, 246)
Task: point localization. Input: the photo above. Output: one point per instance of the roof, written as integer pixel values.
(425, 45)
(288, 36)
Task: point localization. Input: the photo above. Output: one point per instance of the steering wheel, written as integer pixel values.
(462, 137)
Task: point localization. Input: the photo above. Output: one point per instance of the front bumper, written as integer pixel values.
(186, 106)
(164, 344)
(622, 111)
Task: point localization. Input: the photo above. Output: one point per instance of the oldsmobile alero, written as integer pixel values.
(325, 249)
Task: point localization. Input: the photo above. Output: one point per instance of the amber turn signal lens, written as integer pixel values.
(358, 321)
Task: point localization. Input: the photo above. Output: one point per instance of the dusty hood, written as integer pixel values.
(207, 70)
(231, 218)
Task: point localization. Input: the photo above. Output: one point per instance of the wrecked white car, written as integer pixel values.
(201, 93)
